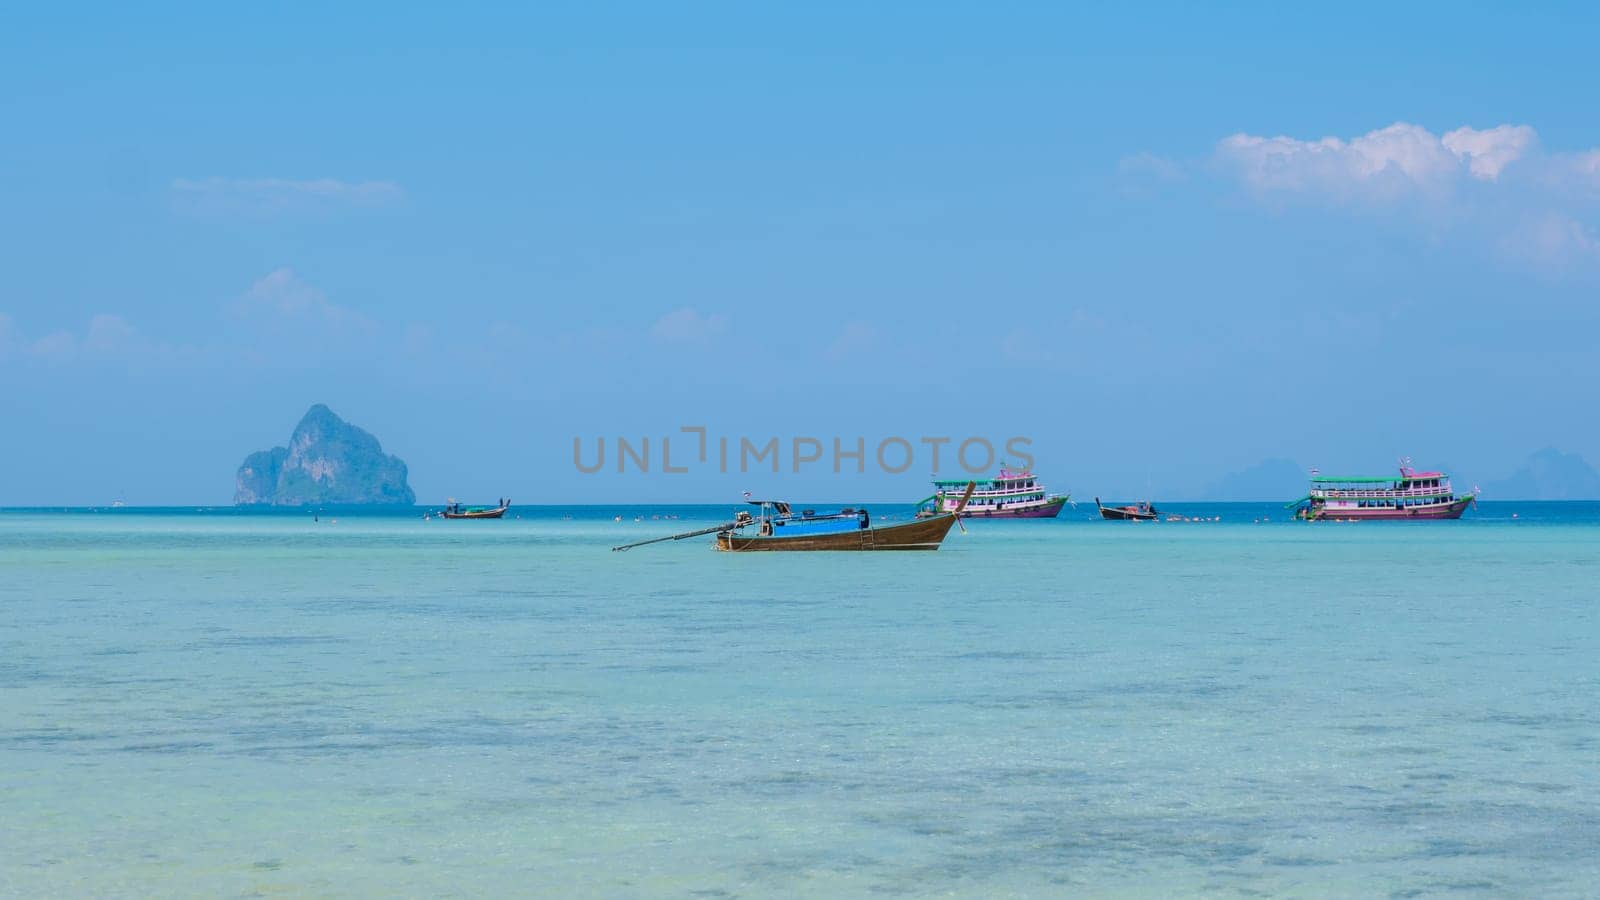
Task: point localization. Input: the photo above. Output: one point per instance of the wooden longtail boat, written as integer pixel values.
(457, 511)
(1143, 511)
(797, 533)
(779, 528)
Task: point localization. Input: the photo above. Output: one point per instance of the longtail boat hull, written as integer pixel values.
(1143, 512)
(457, 511)
(481, 514)
(779, 528)
(921, 534)
(1126, 515)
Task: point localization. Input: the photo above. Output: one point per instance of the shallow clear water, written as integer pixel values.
(229, 704)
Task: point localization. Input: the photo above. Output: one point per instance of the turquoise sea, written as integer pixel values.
(225, 704)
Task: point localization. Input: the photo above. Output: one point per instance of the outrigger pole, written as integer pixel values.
(742, 520)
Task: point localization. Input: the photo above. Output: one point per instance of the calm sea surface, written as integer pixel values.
(222, 704)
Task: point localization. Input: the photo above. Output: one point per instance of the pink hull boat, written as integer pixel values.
(1423, 496)
(1013, 494)
(1047, 510)
(1451, 510)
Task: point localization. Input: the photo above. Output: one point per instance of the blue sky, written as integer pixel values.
(1163, 243)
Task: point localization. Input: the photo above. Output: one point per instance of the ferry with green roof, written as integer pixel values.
(1013, 494)
(1412, 496)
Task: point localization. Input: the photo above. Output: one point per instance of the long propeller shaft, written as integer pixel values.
(727, 526)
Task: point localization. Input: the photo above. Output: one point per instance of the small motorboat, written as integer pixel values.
(1143, 511)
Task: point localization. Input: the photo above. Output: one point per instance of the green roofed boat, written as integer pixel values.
(1013, 494)
(1414, 495)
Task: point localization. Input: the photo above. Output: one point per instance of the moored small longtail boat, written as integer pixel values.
(457, 511)
(1143, 511)
(778, 527)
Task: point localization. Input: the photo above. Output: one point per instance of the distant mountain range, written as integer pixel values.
(1271, 479)
(1548, 475)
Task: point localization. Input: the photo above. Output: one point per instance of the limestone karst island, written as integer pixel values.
(328, 462)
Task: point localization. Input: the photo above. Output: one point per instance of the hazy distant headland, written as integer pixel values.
(1548, 474)
(328, 461)
(1270, 479)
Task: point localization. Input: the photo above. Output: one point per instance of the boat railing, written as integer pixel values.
(1339, 494)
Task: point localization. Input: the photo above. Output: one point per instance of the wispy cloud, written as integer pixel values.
(274, 195)
(111, 334)
(107, 336)
(855, 338)
(57, 346)
(1026, 346)
(1578, 172)
(279, 318)
(1553, 242)
(1146, 173)
(282, 299)
(687, 326)
(1040, 344)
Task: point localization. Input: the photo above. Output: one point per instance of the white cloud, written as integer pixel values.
(687, 325)
(1380, 165)
(1488, 152)
(8, 336)
(269, 195)
(1551, 194)
(282, 298)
